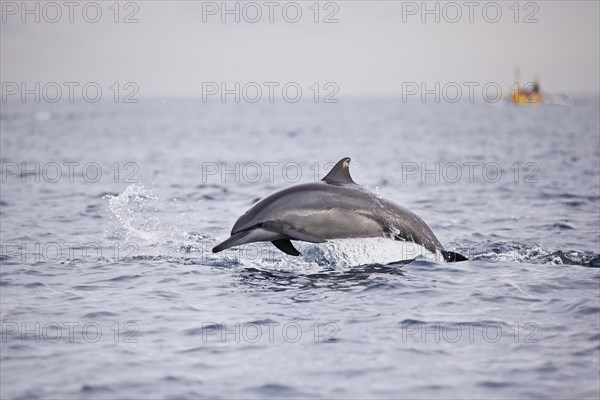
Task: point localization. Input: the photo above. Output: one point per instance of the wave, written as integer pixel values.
(528, 252)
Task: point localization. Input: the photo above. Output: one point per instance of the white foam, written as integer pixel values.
(352, 252)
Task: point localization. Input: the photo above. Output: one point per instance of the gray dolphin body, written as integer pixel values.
(335, 208)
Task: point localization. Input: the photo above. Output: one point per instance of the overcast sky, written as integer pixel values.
(373, 47)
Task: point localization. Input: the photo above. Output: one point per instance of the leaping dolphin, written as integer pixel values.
(335, 208)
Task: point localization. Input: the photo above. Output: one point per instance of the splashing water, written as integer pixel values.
(353, 252)
(136, 210)
(131, 209)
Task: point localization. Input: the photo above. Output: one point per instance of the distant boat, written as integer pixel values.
(531, 94)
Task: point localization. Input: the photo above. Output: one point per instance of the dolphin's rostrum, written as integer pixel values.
(335, 208)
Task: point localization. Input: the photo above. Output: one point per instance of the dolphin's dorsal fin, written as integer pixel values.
(340, 173)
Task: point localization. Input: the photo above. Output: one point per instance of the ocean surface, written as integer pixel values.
(109, 288)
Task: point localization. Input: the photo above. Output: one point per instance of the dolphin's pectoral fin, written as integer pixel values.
(286, 246)
(451, 256)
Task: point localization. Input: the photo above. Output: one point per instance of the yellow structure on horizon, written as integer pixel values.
(526, 95)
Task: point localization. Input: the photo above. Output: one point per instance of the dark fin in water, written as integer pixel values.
(340, 173)
(451, 256)
(286, 246)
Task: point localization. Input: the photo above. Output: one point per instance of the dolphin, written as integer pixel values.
(334, 208)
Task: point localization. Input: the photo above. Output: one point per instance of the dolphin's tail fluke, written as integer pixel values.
(451, 256)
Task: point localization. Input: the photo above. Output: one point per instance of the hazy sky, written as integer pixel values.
(373, 48)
